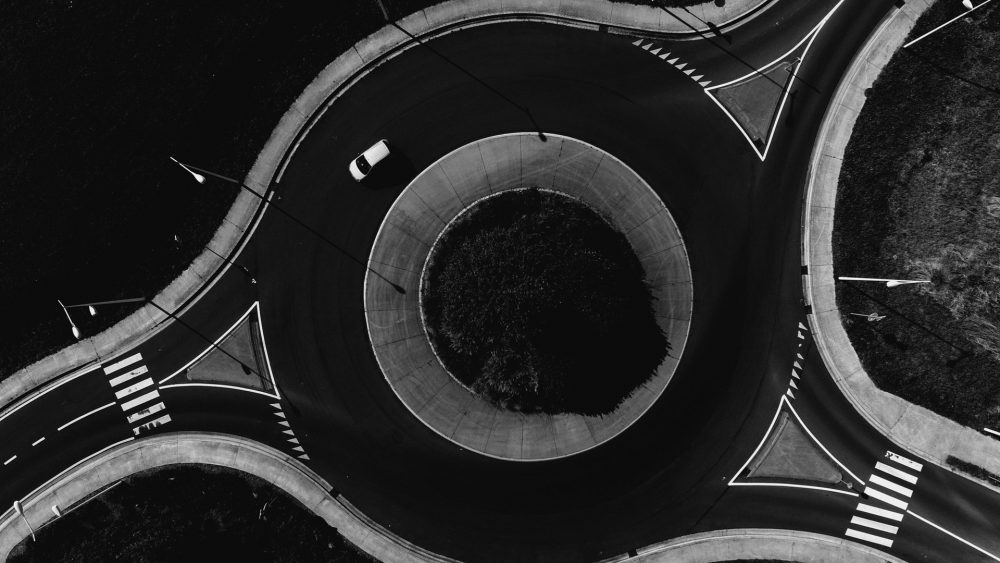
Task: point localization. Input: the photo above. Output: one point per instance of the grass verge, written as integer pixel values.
(919, 198)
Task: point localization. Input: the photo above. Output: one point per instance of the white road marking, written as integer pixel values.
(146, 412)
(49, 389)
(140, 400)
(115, 382)
(911, 479)
(38, 441)
(119, 365)
(874, 525)
(152, 424)
(219, 386)
(966, 542)
(133, 388)
(891, 486)
(904, 461)
(12, 458)
(877, 494)
(83, 416)
(897, 516)
(868, 537)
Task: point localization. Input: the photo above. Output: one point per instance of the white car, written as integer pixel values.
(361, 166)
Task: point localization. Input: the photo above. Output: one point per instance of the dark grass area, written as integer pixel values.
(973, 470)
(539, 305)
(189, 513)
(96, 97)
(919, 198)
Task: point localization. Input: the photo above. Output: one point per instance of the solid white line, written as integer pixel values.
(994, 432)
(145, 412)
(820, 444)
(263, 344)
(891, 486)
(813, 487)
(906, 462)
(960, 16)
(119, 365)
(115, 382)
(966, 542)
(868, 537)
(12, 458)
(133, 388)
(38, 441)
(140, 400)
(47, 390)
(762, 440)
(874, 525)
(911, 479)
(81, 417)
(217, 385)
(897, 516)
(877, 494)
(214, 345)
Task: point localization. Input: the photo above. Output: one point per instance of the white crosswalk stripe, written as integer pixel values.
(888, 492)
(911, 479)
(118, 376)
(868, 537)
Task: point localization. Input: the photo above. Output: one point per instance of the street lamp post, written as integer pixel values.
(969, 8)
(20, 510)
(199, 176)
(888, 282)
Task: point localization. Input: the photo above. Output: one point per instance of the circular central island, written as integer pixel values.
(540, 297)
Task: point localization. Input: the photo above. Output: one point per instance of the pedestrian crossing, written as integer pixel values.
(135, 392)
(891, 484)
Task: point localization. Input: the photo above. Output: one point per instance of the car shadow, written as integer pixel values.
(395, 172)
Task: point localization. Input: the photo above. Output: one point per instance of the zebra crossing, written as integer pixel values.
(132, 390)
(886, 486)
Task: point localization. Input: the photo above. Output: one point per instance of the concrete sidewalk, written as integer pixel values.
(915, 428)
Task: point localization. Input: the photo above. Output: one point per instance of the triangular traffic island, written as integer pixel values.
(237, 359)
(790, 454)
(755, 100)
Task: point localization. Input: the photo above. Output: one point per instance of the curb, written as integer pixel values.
(288, 474)
(759, 543)
(913, 427)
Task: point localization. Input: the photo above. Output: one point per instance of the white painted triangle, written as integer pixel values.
(276, 405)
(800, 336)
(795, 375)
(304, 456)
(637, 42)
(293, 440)
(792, 383)
(796, 364)
(284, 423)
(656, 50)
(681, 66)
(689, 71)
(674, 60)
(799, 356)
(646, 47)
(803, 327)
(697, 78)
(299, 449)
(705, 83)
(289, 432)
(281, 414)
(790, 394)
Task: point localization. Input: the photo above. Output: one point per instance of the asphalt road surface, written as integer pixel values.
(669, 474)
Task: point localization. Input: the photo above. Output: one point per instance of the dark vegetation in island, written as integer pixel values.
(919, 198)
(189, 513)
(538, 304)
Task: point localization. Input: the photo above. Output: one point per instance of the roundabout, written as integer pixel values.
(431, 204)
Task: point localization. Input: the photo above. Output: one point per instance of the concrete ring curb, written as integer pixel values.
(414, 223)
(913, 427)
(285, 472)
